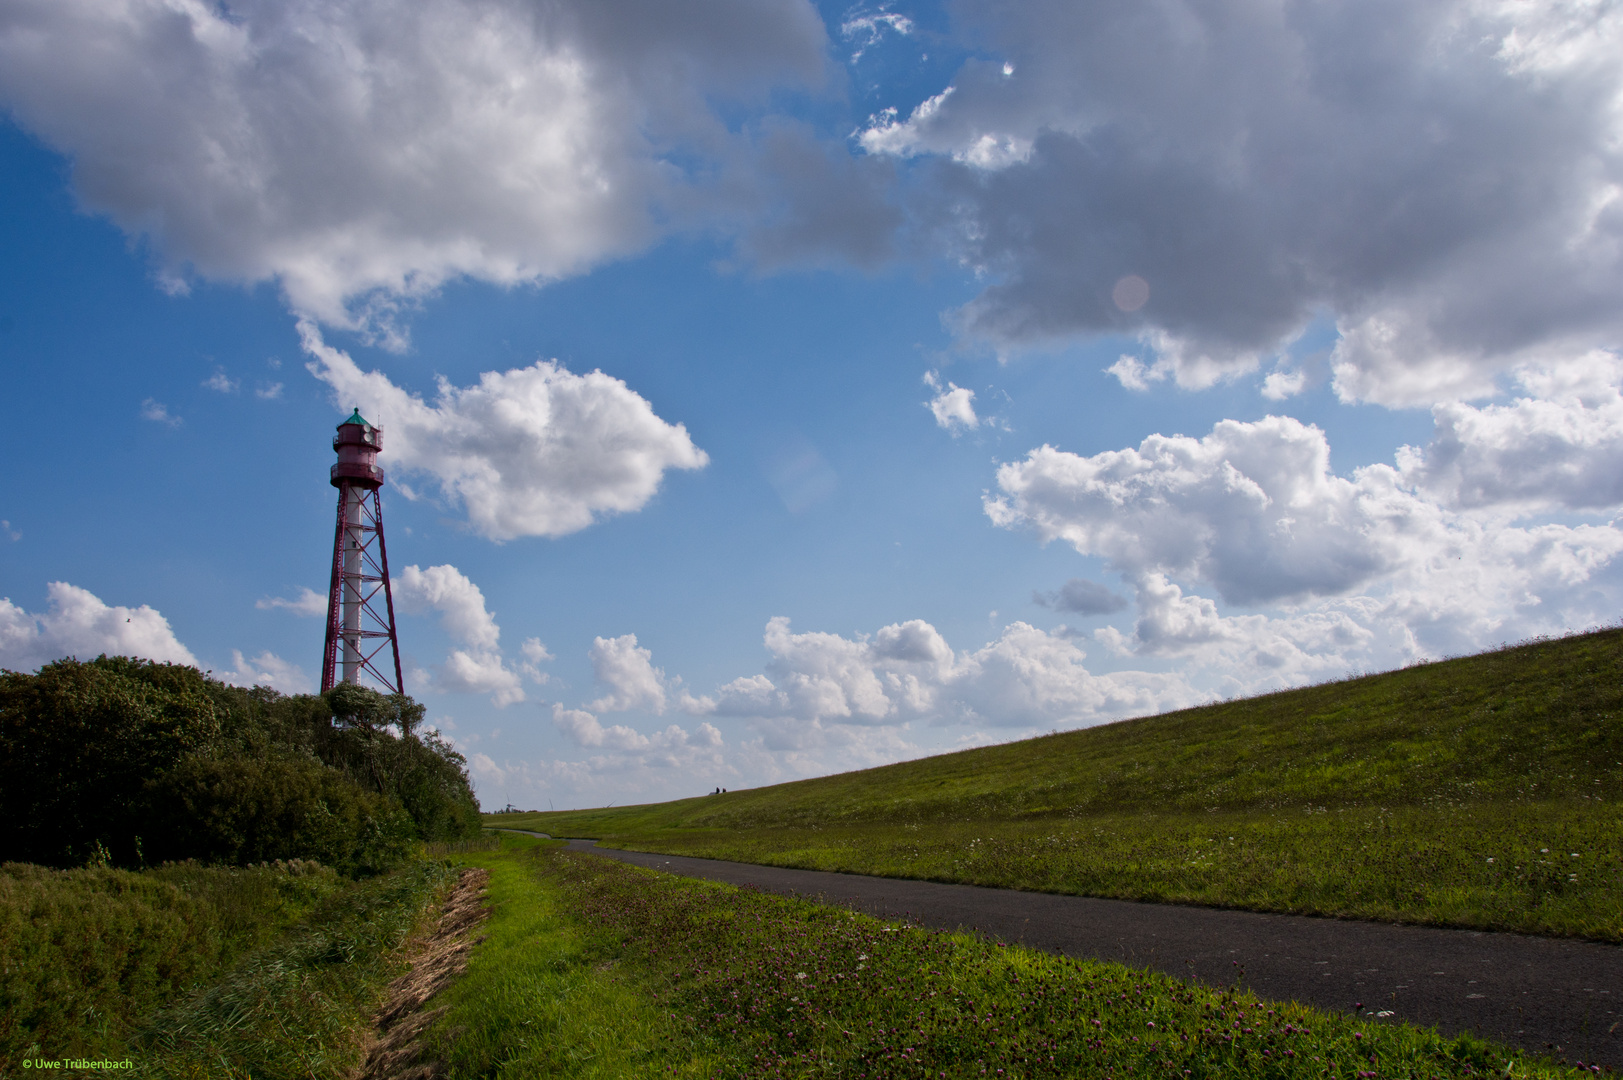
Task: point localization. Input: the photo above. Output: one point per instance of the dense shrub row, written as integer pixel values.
(127, 762)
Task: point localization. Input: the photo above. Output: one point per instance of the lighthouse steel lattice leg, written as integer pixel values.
(364, 642)
(329, 656)
(388, 596)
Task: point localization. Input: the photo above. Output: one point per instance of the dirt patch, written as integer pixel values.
(399, 1052)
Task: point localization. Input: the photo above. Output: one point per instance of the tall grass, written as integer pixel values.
(85, 953)
(298, 1008)
(439, 849)
(1378, 797)
(191, 971)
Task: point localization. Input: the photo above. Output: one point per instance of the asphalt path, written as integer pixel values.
(1545, 994)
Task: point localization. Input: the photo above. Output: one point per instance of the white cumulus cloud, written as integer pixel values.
(1556, 446)
(1369, 562)
(818, 685)
(627, 672)
(362, 152)
(536, 451)
(475, 666)
(266, 669)
(307, 602)
(535, 654)
(671, 763)
(1252, 508)
(952, 406)
(77, 623)
(670, 747)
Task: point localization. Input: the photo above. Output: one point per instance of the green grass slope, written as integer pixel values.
(1482, 791)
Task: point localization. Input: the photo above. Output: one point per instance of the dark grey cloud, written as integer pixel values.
(1079, 596)
(798, 200)
(1441, 177)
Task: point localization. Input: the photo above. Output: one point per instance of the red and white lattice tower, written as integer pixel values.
(358, 628)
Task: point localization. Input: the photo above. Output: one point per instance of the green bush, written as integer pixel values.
(243, 810)
(426, 775)
(130, 762)
(77, 743)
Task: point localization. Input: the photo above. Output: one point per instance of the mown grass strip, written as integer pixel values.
(548, 995)
(624, 972)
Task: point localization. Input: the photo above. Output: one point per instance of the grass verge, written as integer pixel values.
(596, 968)
(546, 994)
(1534, 868)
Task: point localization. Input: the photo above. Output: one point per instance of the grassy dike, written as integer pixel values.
(1485, 792)
(593, 968)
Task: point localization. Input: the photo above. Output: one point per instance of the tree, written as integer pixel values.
(362, 706)
(78, 741)
(158, 761)
(244, 810)
(427, 775)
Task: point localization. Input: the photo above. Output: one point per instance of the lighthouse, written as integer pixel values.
(360, 604)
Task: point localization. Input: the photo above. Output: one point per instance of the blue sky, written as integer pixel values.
(963, 371)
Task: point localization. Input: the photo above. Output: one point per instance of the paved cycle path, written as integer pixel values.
(1546, 994)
